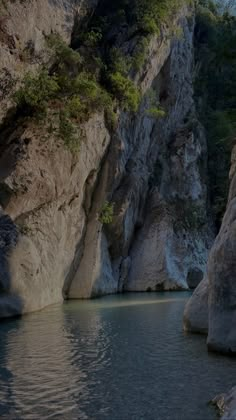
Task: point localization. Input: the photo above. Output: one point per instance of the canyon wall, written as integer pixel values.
(212, 308)
(154, 171)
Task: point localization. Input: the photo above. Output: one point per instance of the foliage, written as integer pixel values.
(156, 112)
(112, 25)
(151, 14)
(91, 93)
(118, 62)
(73, 94)
(95, 72)
(68, 132)
(125, 91)
(216, 86)
(140, 53)
(75, 108)
(35, 92)
(111, 119)
(65, 58)
(106, 213)
(92, 38)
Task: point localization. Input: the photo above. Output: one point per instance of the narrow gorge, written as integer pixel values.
(117, 133)
(151, 166)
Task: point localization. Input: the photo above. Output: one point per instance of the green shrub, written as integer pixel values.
(125, 91)
(152, 14)
(92, 38)
(106, 213)
(68, 132)
(148, 24)
(118, 62)
(111, 119)
(156, 112)
(75, 108)
(215, 85)
(140, 53)
(65, 57)
(35, 92)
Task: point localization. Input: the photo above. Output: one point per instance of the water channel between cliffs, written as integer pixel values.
(120, 357)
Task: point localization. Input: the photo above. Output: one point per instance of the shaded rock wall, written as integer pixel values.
(217, 301)
(151, 244)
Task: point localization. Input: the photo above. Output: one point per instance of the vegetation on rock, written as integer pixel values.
(95, 72)
(106, 213)
(215, 87)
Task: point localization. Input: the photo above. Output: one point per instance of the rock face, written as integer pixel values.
(47, 203)
(23, 28)
(159, 237)
(196, 310)
(170, 250)
(226, 403)
(153, 170)
(217, 300)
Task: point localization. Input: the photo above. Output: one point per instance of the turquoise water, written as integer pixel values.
(120, 357)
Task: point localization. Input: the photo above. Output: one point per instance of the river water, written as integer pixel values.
(117, 358)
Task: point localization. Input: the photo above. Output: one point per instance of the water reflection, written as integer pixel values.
(119, 358)
(41, 366)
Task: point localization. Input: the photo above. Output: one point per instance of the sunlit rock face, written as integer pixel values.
(216, 297)
(46, 202)
(152, 170)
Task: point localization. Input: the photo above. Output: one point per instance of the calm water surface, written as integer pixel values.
(117, 358)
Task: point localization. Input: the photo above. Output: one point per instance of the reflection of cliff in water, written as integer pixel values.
(42, 373)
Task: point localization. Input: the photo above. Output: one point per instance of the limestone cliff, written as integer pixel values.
(212, 307)
(23, 27)
(53, 244)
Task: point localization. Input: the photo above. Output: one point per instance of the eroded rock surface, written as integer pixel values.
(45, 195)
(196, 310)
(219, 304)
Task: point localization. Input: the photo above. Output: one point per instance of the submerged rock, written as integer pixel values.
(226, 403)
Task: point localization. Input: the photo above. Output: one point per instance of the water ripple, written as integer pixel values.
(118, 358)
